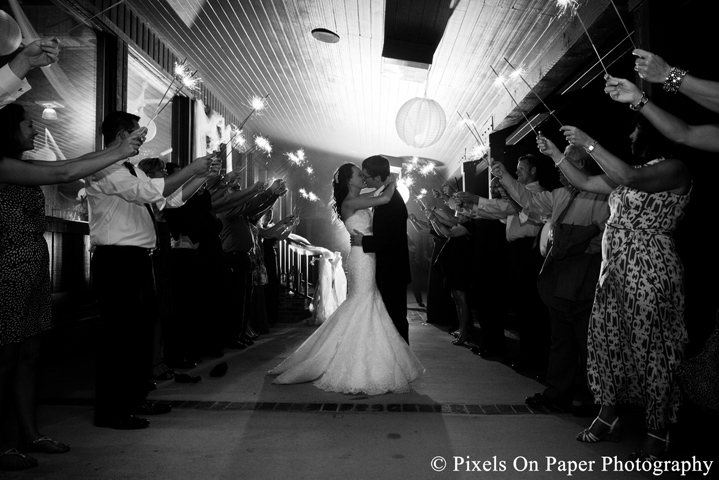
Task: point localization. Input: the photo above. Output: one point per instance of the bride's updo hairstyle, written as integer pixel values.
(340, 189)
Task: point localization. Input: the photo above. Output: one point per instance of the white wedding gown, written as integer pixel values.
(358, 349)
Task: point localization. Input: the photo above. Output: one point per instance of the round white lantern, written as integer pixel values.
(421, 122)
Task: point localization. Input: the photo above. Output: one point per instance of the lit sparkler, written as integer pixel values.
(187, 80)
(257, 104)
(519, 73)
(310, 170)
(573, 7)
(308, 195)
(261, 143)
(293, 158)
(512, 97)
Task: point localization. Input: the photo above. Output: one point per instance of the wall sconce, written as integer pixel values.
(50, 113)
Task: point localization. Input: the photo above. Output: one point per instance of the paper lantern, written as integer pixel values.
(421, 122)
(10, 36)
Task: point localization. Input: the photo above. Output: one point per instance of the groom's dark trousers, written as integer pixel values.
(389, 242)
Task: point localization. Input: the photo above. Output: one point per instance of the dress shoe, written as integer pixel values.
(149, 408)
(421, 304)
(127, 422)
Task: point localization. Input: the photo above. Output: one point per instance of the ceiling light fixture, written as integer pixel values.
(49, 113)
(326, 36)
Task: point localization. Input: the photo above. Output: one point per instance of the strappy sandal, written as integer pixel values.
(611, 435)
(641, 455)
(12, 460)
(43, 445)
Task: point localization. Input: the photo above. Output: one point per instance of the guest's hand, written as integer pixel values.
(436, 193)
(650, 67)
(390, 179)
(466, 197)
(622, 90)
(276, 185)
(201, 165)
(547, 147)
(576, 137)
(259, 186)
(41, 53)
(215, 167)
(498, 169)
(412, 217)
(356, 238)
(130, 145)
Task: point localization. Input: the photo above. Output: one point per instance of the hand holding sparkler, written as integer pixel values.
(466, 198)
(277, 186)
(622, 90)
(577, 137)
(498, 169)
(650, 67)
(39, 53)
(130, 145)
(547, 147)
(201, 165)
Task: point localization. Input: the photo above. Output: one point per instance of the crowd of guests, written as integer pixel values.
(192, 228)
(599, 254)
(592, 265)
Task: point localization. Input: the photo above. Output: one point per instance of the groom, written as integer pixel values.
(389, 242)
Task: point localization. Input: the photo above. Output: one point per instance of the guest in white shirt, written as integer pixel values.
(39, 53)
(122, 238)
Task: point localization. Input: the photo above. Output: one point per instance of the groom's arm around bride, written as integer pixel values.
(389, 242)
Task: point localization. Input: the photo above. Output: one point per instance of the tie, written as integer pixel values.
(131, 168)
(561, 216)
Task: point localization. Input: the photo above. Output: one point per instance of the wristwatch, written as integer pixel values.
(635, 107)
(591, 147)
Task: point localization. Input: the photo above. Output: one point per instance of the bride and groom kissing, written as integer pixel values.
(364, 346)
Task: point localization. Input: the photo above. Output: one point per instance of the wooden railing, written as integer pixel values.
(296, 268)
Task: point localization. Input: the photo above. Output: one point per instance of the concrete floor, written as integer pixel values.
(464, 410)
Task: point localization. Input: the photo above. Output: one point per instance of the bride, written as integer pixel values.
(358, 349)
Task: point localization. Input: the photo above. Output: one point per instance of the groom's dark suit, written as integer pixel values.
(389, 242)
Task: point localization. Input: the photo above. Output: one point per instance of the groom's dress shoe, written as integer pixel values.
(125, 422)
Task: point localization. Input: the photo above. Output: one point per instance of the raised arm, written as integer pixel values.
(581, 180)
(653, 68)
(703, 137)
(199, 166)
(669, 175)
(19, 172)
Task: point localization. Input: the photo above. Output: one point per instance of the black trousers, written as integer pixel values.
(124, 284)
(567, 369)
(394, 296)
(238, 294)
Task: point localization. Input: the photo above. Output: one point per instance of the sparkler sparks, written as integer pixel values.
(567, 6)
(518, 72)
(308, 195)
(476, 152)
(191, 82)
(310, 170)
(263, 144)
(258, 103)
(426, 169)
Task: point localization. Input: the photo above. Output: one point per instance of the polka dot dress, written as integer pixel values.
(25, 306)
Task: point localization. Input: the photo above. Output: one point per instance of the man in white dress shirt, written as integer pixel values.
(123, 237)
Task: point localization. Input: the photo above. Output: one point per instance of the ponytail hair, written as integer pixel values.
(340, 189)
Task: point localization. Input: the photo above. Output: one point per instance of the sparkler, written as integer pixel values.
(501, 80)
(293, 158)
(84, 22)
(519, 74)
(180, 71)
(188, 80)
(573, 7)
(623, 25)
(308, 195)
(467, 122)
(475, 130)
(257, 104)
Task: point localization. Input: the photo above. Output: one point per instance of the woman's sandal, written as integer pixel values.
(43, 445)
(641, 455)
(13, 460)
(611, 435)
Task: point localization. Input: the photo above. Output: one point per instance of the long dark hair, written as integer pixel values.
(10, 137)
(340, 188)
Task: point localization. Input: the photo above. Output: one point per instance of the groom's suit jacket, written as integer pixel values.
(389, 242)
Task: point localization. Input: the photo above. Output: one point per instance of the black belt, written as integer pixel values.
(126, 248)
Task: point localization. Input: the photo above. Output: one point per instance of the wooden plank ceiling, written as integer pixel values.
(332, 99)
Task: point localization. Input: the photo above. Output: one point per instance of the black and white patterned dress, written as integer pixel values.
(25, 306)
(636, 333)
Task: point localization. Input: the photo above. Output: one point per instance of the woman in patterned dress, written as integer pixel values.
(636, 333)
(25, 308)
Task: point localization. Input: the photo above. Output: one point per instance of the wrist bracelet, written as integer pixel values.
(674, 80)
(591, 147)
(560, 161)
(635, 107)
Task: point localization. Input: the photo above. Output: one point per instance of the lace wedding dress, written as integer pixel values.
(358, 349)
